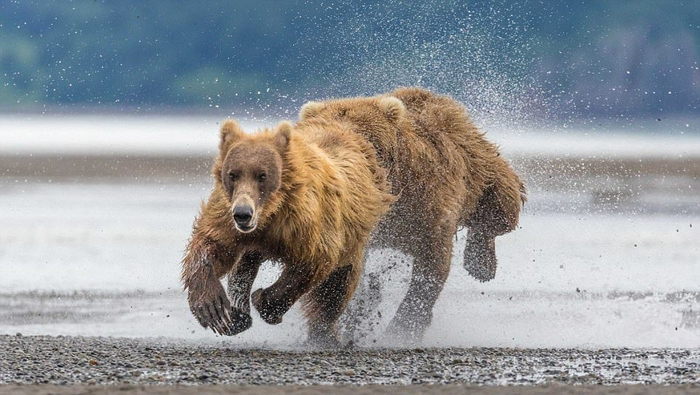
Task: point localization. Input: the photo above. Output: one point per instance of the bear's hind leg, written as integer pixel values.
(240, 282)
(496, 213)
(431, 267)
(325, 304)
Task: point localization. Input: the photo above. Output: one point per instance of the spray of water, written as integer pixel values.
(479, 55)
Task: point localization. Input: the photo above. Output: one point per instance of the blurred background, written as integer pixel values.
(588, 58)
(109, 116)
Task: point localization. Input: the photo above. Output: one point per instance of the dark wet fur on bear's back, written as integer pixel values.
(445, 175)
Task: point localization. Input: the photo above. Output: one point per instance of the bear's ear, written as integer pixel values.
(310, 110)
(230, 132)
(392, 107)
(283, 133)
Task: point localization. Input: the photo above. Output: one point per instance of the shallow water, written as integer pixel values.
(591, 266)
(109, 134)
(103, 259)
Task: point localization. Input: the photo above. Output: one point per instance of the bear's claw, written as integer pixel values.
(211, 306)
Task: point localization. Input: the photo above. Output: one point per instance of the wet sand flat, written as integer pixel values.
(197, 166)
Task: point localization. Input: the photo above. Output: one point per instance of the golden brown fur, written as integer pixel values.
(328, 181)
(331, 194)
(444, 173)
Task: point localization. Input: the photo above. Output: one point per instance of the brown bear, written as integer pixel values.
(308, 199)
(445, 175)
(310, 195)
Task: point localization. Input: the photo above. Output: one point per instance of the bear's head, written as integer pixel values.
(361, 110)
(250, 171)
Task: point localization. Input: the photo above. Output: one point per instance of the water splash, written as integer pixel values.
(479, 55)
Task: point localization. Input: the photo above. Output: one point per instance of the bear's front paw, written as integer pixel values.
(240, 321)
(269, 311)
(210, 305)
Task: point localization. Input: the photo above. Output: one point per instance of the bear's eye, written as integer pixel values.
(233, 177)
(262, 177)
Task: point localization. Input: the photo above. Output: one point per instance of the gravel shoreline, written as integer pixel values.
(121, 361)
(347, 390)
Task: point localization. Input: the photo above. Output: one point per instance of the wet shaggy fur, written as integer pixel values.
(445, 175)
(404, 170)
(322, 195)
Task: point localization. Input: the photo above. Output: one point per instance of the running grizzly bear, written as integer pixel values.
(308, 199)
(407, 168)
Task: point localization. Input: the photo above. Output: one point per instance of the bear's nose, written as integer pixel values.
(242, 215)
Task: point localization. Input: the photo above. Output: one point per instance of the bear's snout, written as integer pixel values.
(243, 216)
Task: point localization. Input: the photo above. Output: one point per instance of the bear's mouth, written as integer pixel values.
(246, 228)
